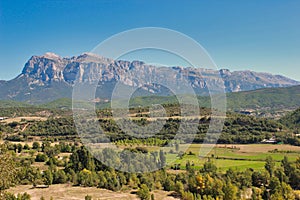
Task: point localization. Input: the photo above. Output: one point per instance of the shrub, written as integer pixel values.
(41, 157)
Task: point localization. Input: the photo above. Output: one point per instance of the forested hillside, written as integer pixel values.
(292, 120)
(57, 126)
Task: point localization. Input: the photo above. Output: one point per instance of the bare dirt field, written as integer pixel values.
(261, 148)
(19, 119)
(67, 192)
(29, 143)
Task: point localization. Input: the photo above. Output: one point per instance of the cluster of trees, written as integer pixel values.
(238, 128)
(52, 127)
(9, 196)
(146, 142)
(14, 110)
(275, 182)
(292, 120)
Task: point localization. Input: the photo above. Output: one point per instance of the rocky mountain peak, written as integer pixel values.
(50, 55)
(41, 73)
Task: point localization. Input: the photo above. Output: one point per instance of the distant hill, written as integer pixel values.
(267, 100)
(62, 103)
(287, 98)
(10, 103)
(49, 77)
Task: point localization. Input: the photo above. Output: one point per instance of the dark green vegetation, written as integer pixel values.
(272, 98)
(276, 181)
(262, 100)
(11, 104)
(238, 129)
(56, 155)
(292, 120)
(16, 111)
(58, 125)
(265, 102)
(271, 102)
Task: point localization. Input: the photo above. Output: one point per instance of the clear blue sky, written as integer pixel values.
(252, 34)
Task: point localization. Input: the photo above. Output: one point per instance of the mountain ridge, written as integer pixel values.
(50, 76)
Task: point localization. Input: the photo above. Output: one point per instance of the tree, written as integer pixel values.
(9, 196)
(287, 192)
(88, 197)
(36, 145)
(168, 184)
(230, 191)
(86, 178)
(187, 196)
(26, 147)
(179, 188)
(82, 159)
(245, 179)
(209, 168)
(213, 186)
(45, 145)
(199, 183)
(59, 177)
(256, 194)
(270, 165)
(19, 147)
(298, 163)
(275, 186)
(260, 178)
(48, 176)
(152, 197)
(279, 173)
(295, 179)
(144, 193)
(8, 169)
(40, 157)
(286, 166)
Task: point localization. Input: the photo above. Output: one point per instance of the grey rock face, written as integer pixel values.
(56, 75)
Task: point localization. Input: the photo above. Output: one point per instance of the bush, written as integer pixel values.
(9, 196)
(59, 177)
(36, 145)
(144, 193)
(41, 157)
(88, 197)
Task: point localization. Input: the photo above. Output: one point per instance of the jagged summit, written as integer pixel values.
(50, 76)
(51, 55)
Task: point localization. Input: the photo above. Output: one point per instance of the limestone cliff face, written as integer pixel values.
(50, 76)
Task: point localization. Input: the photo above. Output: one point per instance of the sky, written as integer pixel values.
(255, 35)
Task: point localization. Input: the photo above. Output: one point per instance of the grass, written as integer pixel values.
(238, 158)
(235, 156)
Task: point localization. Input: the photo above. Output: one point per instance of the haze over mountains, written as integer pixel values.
(49, 77)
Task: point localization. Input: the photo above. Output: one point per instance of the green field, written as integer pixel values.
(237, 157)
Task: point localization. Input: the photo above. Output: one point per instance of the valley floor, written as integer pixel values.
(68, 192)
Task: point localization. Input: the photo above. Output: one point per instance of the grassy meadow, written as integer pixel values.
(237, 157)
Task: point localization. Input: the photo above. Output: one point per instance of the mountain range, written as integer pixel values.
(49, 77)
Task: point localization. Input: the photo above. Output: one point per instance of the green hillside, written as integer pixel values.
(292, 120)
(10, 103)
(273, 98)
(62, 103)
(269, 100)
